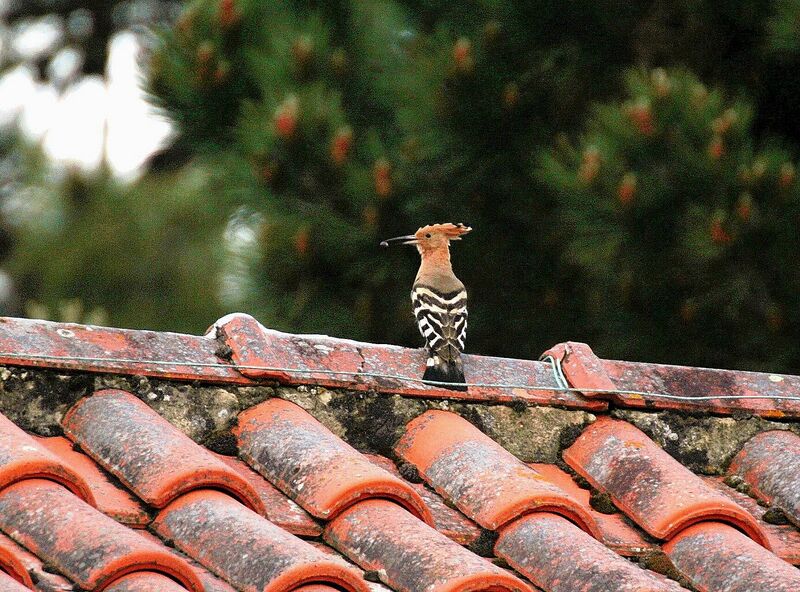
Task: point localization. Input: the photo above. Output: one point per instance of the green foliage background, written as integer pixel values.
(628, 168)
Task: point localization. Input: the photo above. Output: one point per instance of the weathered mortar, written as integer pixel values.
(371, 421)
(705, 444)
(37, 399)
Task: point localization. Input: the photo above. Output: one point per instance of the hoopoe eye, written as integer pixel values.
(428, 235)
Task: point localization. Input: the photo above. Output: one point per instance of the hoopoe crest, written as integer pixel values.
(440, 301)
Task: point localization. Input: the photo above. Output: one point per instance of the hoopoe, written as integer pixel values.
(439, 300)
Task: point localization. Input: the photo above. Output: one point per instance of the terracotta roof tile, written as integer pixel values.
(145, 581)
(652, 488)
(449, 521)
(147, 453)
(111, 499)
(334, 555)
(706, 382)
(582, 369)
(9, 584)
(784, 539)
(87, 348)
(27, 568)
(485, 481)
(13, 561)
(210, 582)
(409, 555)
(585, 371)
(770, 464)
(23, 457)
(252, 345)
(613, 530)
(542, 518)
(280, 509)
(714, 556)
(238, 341)
(314, 467)
(246, 549)
(90, 548)
(559, 557)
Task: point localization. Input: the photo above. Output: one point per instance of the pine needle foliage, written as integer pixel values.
(642, 209)
(91, 249)
(686, 228)
(342, 123)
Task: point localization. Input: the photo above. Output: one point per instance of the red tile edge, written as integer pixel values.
(485, 481)
(33, 567)
(8, 583)
(615, 456)
(216, 531)
(407, 554)
(313, 466)
(334, 555)
(144, 581)
(11, 561)
(23, 457)
(784, 538)
(692, 383)
(614, 532)
(715, 556)
(111, 499)
(447, 520)
(582, 369)
(252, 344)
(211, 583)
(145, 561)
(148, 454)
(46, 344)
(556, 555)
(768, 463)
(81, 542)
(260, 353)
(585, 371)
(281, 510)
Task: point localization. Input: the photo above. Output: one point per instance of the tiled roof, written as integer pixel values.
(366, 479)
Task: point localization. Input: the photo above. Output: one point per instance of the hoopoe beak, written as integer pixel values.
(409, 239)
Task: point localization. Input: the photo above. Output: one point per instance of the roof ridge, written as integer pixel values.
(237, 349)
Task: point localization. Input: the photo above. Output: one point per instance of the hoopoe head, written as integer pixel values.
(431, 238)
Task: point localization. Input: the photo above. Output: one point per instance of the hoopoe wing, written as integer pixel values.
(442, 320)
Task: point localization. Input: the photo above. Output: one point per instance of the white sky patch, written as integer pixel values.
(37, 110)
(65, 65)
(76, 135)
(35, 37)
(93, 119)
(135, 130)
(17, 88)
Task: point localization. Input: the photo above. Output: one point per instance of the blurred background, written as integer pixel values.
(629, 168)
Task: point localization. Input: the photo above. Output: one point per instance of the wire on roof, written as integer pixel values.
(561, 383)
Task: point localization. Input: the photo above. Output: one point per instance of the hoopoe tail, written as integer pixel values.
(440, 370)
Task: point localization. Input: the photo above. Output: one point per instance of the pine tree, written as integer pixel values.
(338, 124)
(645, 215)
(686, 229)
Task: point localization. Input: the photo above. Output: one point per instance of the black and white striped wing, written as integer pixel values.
(442, 320)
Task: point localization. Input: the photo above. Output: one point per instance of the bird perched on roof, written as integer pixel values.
(440, 301)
